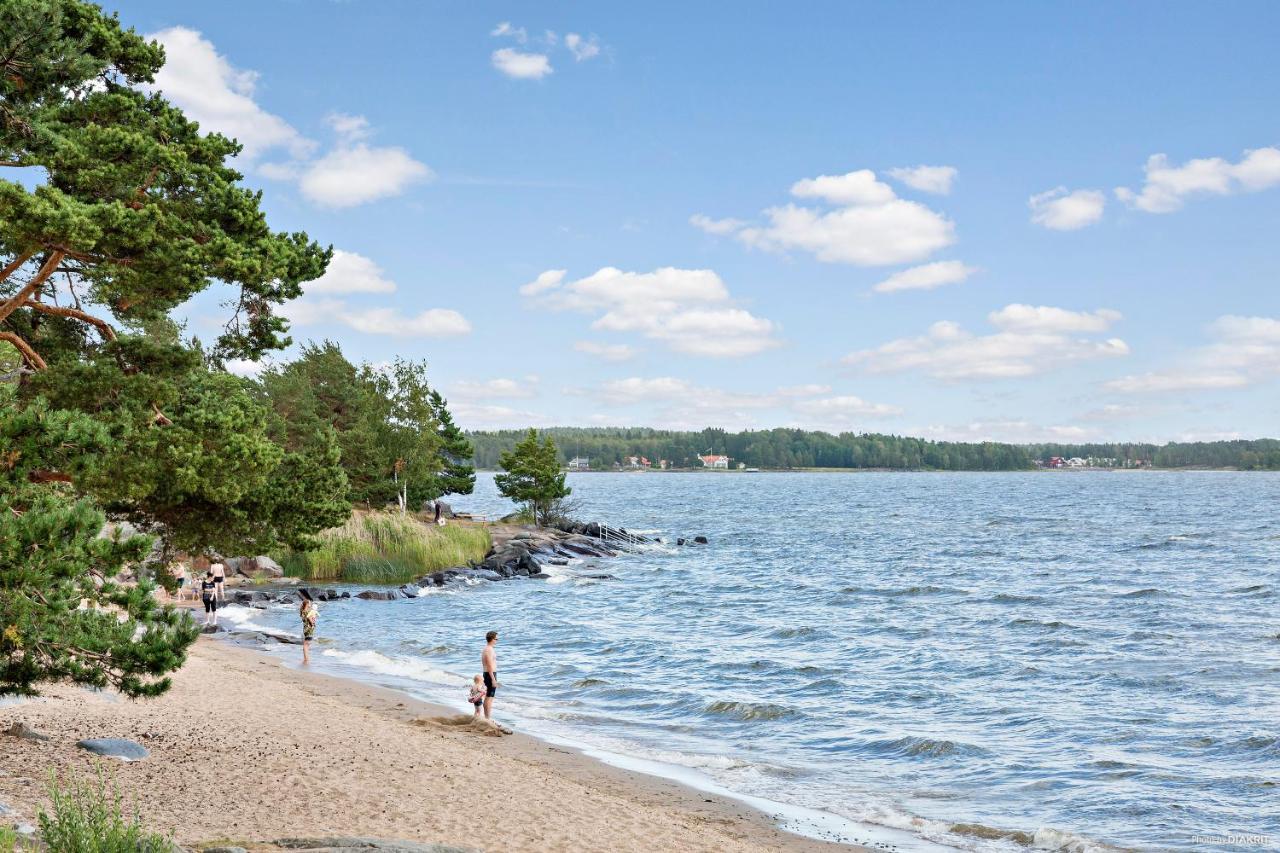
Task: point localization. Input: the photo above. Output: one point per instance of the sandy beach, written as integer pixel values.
(246, 750)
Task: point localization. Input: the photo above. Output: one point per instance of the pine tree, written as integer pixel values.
(457, 475)
(532, 476)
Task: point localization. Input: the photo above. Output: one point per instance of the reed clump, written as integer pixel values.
(388, 548)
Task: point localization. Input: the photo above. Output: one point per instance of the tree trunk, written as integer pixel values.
(14, 302)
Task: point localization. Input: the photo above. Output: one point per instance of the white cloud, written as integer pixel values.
(489, 416)
(869, 225)
(926, 277)
(719, 227)
(493, 389)
(845, 409)
(521, 66)
(1061, 210)
(608, 352)
(545, 281)
(220, 97)
(688, 310)
(1029, 340)
(582, 48)
(213, 92)
(349, 272)
(245, 367)
(505, 29)
(1167, 187)
(810, 390)
(1009, 430)
(860, 187)
(355, 173)
(1042, 318)
(393, 322)
(1244, 351)
(1175, 381)
(684, 405)
(929, 179)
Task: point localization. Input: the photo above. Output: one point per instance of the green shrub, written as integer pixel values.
(87, 818)
(386, 548)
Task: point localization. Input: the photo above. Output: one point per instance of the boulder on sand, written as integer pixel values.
(22, 730)
(115, 747)
(257, 567)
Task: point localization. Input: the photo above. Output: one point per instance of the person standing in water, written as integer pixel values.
(310, 616)
(489, 669)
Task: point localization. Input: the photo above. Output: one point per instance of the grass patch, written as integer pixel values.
(89, 818)
(384, 547)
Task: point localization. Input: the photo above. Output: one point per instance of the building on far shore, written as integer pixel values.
(580, 463)
(714, 462)
(638, 463)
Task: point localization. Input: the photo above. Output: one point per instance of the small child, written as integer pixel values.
(476, 694)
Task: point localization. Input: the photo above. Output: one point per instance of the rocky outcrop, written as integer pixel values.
(115, 747)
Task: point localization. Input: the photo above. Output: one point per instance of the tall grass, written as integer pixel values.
(384, 547)
(89, 818)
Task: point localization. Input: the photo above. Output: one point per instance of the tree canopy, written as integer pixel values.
(531, 475)
(120, 210)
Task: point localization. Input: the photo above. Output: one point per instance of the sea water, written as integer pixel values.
(1089, 659)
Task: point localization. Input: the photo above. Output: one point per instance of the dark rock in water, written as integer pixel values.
(345, 594)
(211, 629)
(592, 530)
(558, 561)
(540, 576)
(680, 541)
(409, 590)
(376, 595)
(22, 730)
(598, 577)
(528, 564)
(701, 540)
(114, 747)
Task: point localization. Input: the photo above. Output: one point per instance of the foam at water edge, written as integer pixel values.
(404, 667)
(242, 619)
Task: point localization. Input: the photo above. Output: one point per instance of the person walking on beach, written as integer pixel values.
(209, 595)
(220, 578)
(489, 669)
(310, 616)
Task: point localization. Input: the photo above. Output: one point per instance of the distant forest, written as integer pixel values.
(795, 448)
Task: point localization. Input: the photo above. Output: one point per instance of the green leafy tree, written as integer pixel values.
(408, 434)
(134, 211)
(54, 560)
(532, 476)
(457, 476)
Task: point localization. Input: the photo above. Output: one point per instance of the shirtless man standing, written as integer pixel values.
(489, 666)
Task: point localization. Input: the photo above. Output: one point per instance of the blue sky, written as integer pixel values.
(681, 215)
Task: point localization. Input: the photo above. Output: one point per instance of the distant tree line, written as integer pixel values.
(608, 447)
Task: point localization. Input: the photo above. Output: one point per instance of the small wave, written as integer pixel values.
(1054, 625)
(923, 747)
(1257, 590)
(901, 592)
(589, 682)
(1013, 598)
(1149, 592)
(401, 667)
(792, 633)
(749, 710)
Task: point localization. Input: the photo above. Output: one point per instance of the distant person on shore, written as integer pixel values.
(220, 578)
(489, 669)
(439, 517)
(209, 595)
(310, 616)
(477, 693)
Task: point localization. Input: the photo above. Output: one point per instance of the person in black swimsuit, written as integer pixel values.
(489, 667)
(209, 595)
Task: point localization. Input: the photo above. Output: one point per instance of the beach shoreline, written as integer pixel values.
(246, 749)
